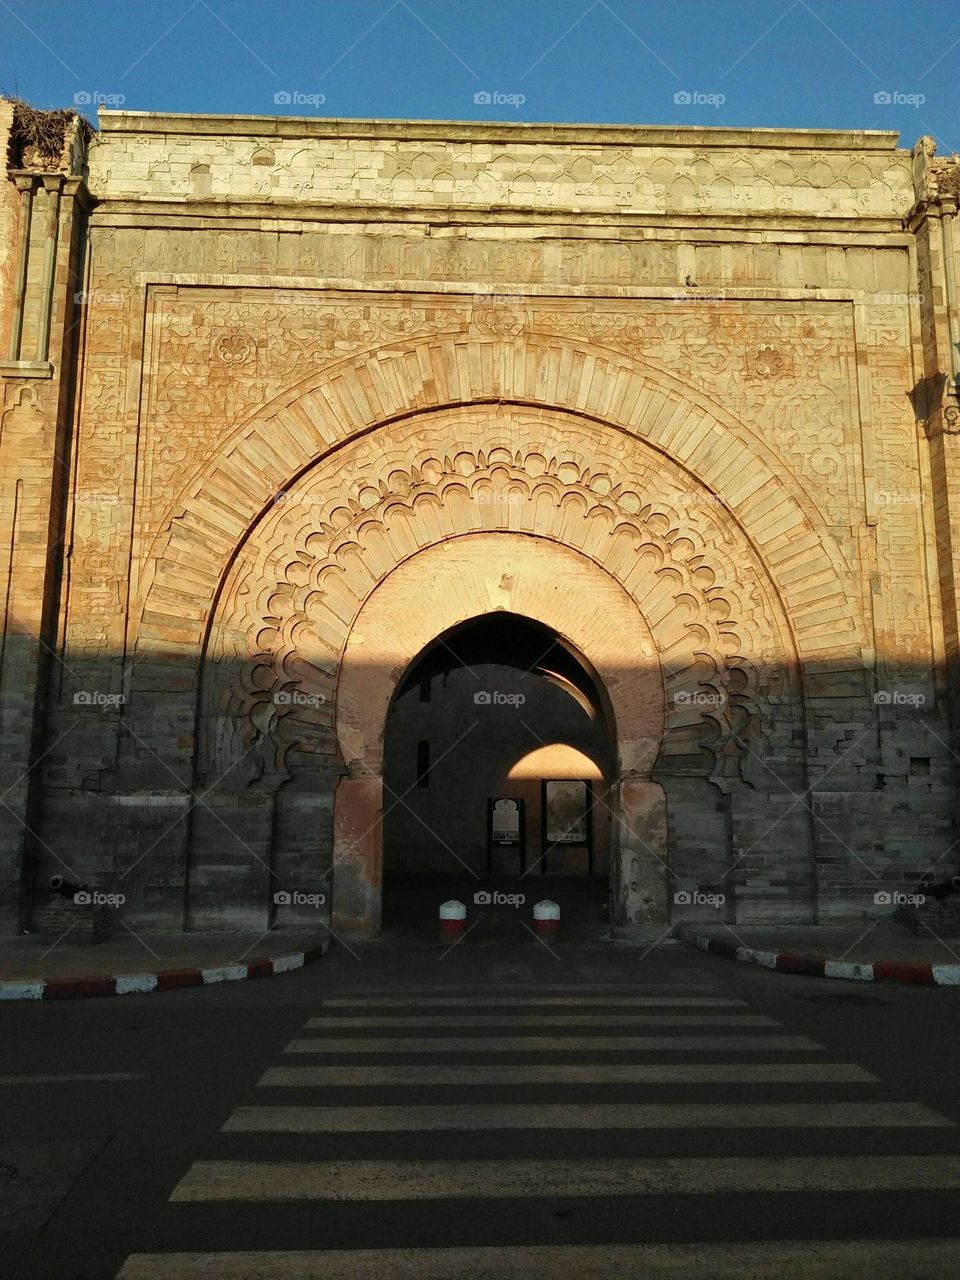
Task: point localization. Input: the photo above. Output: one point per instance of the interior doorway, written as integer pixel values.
(498, 760)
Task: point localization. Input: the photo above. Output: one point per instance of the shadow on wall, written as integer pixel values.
(210, 803)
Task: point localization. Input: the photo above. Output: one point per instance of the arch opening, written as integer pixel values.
(499, 763)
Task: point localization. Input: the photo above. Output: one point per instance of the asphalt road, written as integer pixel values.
(388, 1116)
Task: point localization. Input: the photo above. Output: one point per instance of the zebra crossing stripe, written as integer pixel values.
(519, 1002)
(529, 987)
(209, 1180)
(612, 1019)
(561, 1044)
(887, 1259)
(595, 1116)
(428, 1075)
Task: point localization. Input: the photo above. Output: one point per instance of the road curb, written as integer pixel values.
(918, 975)
(123, 984)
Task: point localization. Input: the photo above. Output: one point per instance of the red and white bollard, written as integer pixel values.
(453, 919)
(546, 919)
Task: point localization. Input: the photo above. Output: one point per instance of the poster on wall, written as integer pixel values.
(565, 812)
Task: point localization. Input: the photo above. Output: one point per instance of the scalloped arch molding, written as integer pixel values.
(294, 591)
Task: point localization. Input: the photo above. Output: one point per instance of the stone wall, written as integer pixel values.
(36, 411)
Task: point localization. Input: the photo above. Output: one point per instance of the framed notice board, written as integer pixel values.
(505, 831)
(567, 833)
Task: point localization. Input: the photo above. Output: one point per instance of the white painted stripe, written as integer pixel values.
(131, 983)
(285, 964)
(515, 1002)
(106, 1076)
(559, 1044)
(946, 975)
(777, 1260)
(844, 969)
(888, 1259)
(593, 1073)
(208, 1180)
(227, 973)
(612, 1019)
(21, 990)
(523, 988)
(768, 959)
(602, 1115)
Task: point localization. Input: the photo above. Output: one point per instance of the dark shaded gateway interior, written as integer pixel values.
(498, 709)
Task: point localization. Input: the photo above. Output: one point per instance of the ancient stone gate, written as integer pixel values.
(310, 394)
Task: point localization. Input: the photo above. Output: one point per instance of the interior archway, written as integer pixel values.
(433, 593)
(499, 761)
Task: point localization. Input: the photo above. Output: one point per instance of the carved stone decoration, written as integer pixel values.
(501, 320)
(767, 363)
(639, 177)
(233, 348)
(302, 576)
(238, 479)
(790, 375)
(950, 417)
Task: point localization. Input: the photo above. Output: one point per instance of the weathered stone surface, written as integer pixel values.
(345, 385)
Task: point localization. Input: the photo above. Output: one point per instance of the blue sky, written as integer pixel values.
(730, 62)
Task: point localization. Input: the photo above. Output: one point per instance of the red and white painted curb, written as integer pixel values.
(921, 975)
(124, 984)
